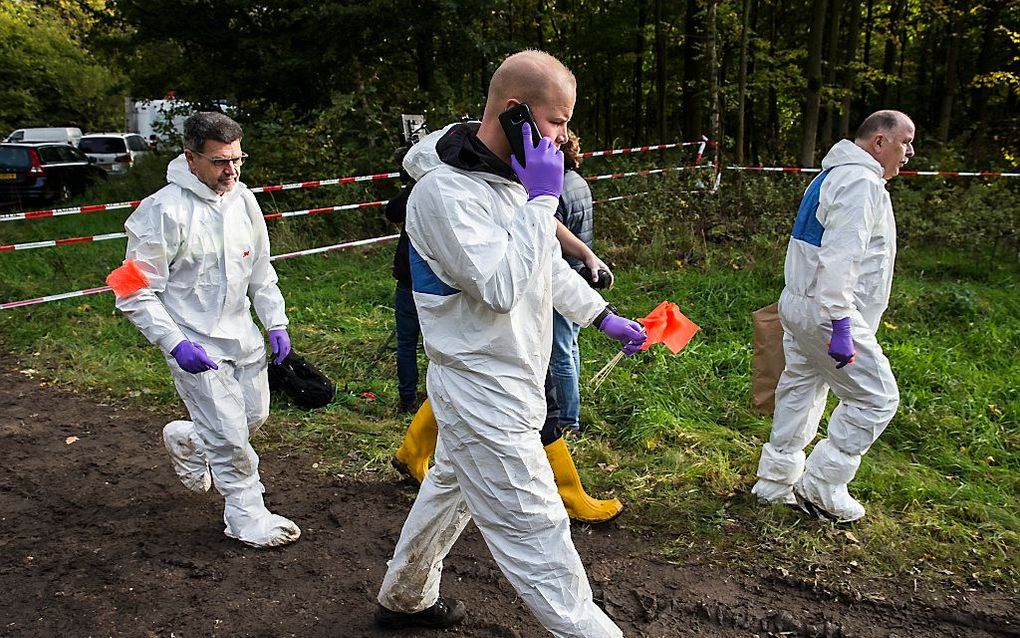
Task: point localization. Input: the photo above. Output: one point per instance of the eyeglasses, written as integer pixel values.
(223, 162)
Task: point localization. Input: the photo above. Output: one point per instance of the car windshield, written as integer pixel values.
(102, 145)
(14, 157)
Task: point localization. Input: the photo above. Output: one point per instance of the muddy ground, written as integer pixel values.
(97, 538)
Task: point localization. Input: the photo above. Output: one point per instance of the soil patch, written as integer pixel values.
(99, 539)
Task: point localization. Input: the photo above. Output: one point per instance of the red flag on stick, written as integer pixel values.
(668, 326)
(127, 280)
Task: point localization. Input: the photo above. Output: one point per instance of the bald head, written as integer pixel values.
(888, 136)
(530, 77)
(884, 121)
(534, 78)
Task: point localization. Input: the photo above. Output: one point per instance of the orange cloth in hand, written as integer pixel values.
(127, 280)
(667, 325)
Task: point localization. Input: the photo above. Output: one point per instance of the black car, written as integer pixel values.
(44, 172)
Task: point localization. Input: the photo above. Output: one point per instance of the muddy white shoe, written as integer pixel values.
(248, 520)
(773, 493)
(271, 531)
(185, 454)
(827, 501)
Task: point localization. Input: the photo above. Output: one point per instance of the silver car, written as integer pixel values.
(115, 152)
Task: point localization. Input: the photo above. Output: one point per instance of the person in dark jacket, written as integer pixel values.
(575, 211)
(408, 329)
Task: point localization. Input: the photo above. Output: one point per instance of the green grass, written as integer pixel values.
(674, 435)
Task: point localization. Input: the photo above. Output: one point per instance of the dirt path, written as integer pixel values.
(97, 538)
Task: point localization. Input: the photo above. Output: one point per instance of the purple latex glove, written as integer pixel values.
(543, 174)
(279, 341)
(841, 348)
(629, 333)
(192, 357)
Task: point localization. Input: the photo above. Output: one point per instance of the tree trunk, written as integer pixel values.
(712, 67)
(869, 26)
(849, 74)
(755, 137)
(773, 124)
(889, 59)
(813, 88)
(828, 123)
(742, 83)
(637, 86)
(985, 63)
(660, 73)
(608, 101)
(692, 82)
(425, 49)
(952, 77)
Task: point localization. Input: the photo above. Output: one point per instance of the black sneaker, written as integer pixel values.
(445, 613)
(408, 407)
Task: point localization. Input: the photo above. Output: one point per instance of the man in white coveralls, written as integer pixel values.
(486, 275)
(839, 269)
(202, 243)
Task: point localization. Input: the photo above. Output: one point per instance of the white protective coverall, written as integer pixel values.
(487, 272)
(839, 263)
(207, 260)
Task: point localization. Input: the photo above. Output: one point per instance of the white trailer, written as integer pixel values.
(163, 119)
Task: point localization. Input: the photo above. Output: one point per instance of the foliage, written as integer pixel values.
(48, 79)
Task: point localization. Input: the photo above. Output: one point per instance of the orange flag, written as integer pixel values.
(127, 280)
(667, 325)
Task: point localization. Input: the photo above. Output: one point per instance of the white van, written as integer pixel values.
(115, 153)
(66, 134)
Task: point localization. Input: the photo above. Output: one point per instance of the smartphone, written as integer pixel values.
(511, 120)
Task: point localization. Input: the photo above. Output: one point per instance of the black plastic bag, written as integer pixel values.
(301, 382)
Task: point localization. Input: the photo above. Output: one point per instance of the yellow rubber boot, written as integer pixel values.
(412, 459)
(580, 507)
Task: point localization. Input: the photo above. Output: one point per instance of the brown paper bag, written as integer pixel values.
(768, 361)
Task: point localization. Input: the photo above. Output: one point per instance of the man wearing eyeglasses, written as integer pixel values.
(202, 243)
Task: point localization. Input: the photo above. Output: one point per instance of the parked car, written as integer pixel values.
(44, 172)
(115, 152)
(66, 134)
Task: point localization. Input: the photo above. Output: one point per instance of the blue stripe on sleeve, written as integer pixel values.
(807, 228)
(423, 279)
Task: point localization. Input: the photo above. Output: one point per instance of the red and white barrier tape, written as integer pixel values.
(618, 198)
(327, 249)
(651, 171)
(65, 295)
(638, 149)
(959, 174)
(773, 169)
(51, 243)
(94, 208)
(326, 209)
(74, 210)
(299, 253)
(790, 169)
(325, 182)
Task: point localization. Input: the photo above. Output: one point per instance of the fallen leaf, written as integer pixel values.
(71, 439)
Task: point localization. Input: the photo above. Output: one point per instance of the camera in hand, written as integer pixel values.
(604, 277)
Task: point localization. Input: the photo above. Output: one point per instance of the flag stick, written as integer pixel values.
(601, 375)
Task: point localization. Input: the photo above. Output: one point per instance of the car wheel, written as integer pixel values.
(64, 192)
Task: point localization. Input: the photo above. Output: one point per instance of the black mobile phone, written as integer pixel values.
(511, 121)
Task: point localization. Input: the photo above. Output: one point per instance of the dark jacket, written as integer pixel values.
(460, 148)
(575, 210)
